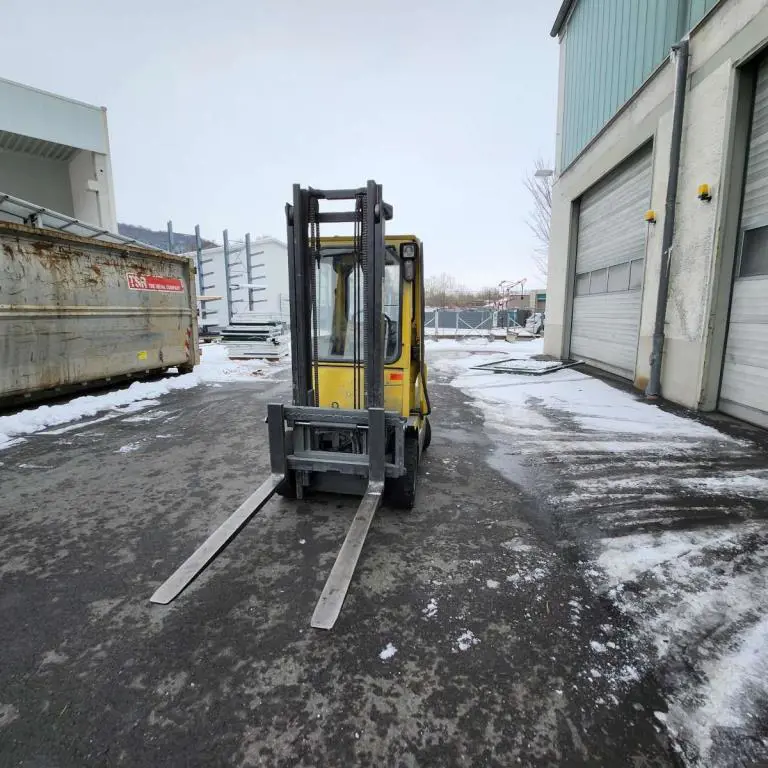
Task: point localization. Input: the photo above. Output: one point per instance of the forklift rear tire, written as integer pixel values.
(287, 486)
(402, 490)
(427, 433)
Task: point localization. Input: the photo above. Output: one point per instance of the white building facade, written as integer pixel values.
(257, 286)
(614, 151)
(54, 153)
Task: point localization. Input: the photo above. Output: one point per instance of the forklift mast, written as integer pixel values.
(304, 219)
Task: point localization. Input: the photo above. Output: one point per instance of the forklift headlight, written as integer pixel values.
(408, 255)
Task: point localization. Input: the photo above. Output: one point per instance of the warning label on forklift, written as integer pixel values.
(155, 283)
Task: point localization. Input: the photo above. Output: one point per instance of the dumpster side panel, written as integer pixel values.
(74, 311)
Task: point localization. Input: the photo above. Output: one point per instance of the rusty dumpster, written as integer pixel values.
(77, 312)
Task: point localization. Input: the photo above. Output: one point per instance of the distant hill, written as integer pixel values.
(182, 243)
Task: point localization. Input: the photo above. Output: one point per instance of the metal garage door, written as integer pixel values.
(744, 388)
(610, 259)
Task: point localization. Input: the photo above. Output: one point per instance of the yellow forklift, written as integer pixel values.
(358, 422)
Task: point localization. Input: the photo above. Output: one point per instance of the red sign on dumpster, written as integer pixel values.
(155, 283)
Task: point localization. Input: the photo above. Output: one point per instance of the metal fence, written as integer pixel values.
(468, 322)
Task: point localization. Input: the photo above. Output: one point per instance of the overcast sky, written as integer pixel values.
(216, 108)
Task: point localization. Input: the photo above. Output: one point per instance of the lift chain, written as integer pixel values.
(366, 309)
(314, 247)
(357, 248)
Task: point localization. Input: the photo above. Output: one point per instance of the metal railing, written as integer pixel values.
(468, 323)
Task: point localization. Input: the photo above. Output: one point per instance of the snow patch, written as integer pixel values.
(144, 417)
(388, 652)
(519, 401)
(492, 584)
(34, 420)
(516, 546)
(736, 688)
(214, 366)
(466, 640)
(129, 448)
(431, 610)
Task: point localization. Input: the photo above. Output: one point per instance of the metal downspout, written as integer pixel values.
(653, 390)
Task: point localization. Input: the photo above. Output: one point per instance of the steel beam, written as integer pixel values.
(337, 217)
(335, 415)
(335, 591)
(227, 282)
(298, 278)
(276, 430)
(336, 194)
(374, 284)
(377, 441)
(219, 539)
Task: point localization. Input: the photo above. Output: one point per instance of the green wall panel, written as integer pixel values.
(699, 8)
(611, 48)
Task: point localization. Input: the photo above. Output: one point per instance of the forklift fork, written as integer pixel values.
(332, 598)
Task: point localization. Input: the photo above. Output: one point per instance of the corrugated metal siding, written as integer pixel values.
(755, 208)
(605, 328)
(744, 387)
(612, 231)
(611, 48)
(699, 9)
(13, 142)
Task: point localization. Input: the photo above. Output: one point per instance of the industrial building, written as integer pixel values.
(534, 299)
(54, 153)
(248, 277)
(662, 156)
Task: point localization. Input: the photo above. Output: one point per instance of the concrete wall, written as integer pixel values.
(90, 178)
(80, 185)
(722, 42)
(37, 179)
(49, 117)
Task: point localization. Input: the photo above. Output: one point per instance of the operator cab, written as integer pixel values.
(340, 305)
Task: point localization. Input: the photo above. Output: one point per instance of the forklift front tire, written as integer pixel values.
(427, 433)
(402, 490)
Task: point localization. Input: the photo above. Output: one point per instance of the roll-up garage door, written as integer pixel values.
(610, 260)
(744, 388)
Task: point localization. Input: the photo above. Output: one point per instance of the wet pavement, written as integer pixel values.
(471, 636)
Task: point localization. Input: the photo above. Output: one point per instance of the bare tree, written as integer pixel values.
(444, 290)
(440, 289)
(540, 215)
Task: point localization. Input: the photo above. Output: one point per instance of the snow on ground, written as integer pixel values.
(214, 367)
(388, 652)
(481, 344)
(484, 332)
(466, 640)
(677, 550)
(522, 402)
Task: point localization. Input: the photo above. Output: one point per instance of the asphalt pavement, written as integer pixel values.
(468, 637)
